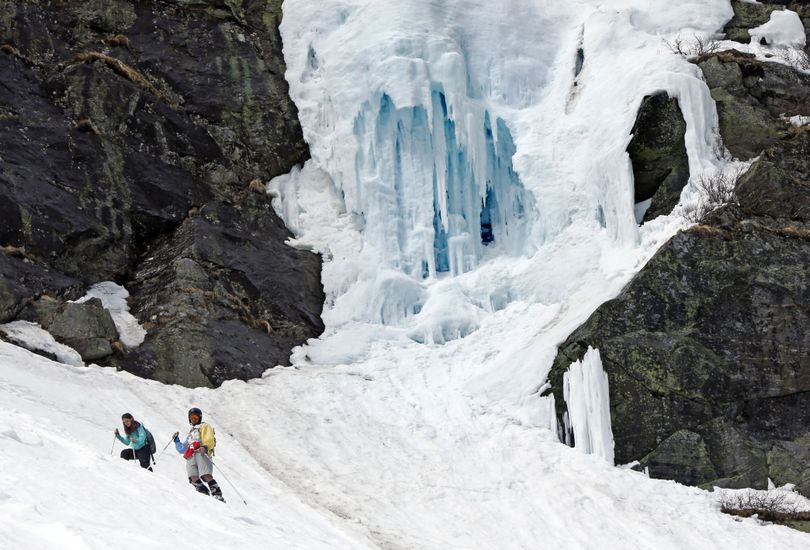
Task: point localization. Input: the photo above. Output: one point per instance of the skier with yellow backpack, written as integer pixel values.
(198, 449)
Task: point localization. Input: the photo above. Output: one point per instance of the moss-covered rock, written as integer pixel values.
(684, 456)
(86, 327)
(217, 300)
(749, 15)
(746, 130)
(709, 337)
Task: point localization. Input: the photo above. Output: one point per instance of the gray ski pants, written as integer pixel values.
(199, 465)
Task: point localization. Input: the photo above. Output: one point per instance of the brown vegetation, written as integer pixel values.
(118, 41)
(86, 125)
(11, 250)
(257, 186)
(120, 68)
(9, 50)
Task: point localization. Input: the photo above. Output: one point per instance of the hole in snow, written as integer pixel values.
(312, 59)
(579, 62)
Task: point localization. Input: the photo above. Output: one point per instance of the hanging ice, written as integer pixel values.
(430, 198)
(585, 389)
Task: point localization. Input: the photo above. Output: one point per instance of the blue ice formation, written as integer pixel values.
(436, 193)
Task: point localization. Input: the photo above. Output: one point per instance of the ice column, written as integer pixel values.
(585, 390)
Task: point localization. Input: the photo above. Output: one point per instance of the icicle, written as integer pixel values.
(585, 390)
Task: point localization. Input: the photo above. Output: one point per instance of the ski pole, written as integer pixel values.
(229, 482)
(113, 445)
(164, 450)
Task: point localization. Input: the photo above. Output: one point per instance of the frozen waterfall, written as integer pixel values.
(480, 143)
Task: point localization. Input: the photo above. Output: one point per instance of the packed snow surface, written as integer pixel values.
(471, 195)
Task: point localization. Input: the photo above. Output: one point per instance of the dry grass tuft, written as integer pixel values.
(11, 250)
(8, 49)
(118, 41)
(795, 232)
(796, 131)
(120, 68)
(257, 186)
(86, 125)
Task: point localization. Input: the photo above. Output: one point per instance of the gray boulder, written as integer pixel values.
(86, 327)
(658, 154)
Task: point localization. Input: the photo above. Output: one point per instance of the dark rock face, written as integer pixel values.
(130, 131)
(224, 276)
(21, 281)
(707, 350)
(658, 154)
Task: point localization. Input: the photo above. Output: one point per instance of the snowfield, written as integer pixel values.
(325, 458)
(471, 195)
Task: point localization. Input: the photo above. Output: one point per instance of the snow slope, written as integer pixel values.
(62, 489)
(470, 192)
(325, 458)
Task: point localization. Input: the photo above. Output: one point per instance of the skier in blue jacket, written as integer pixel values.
(136, 437)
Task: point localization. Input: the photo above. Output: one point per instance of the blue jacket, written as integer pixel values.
(137, 438)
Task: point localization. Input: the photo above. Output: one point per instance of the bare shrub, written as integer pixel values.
(696, 47)
(794, 58)
(766, 505)
(716, 190)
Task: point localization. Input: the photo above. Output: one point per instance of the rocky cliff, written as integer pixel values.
(707, 350)
(135, 137)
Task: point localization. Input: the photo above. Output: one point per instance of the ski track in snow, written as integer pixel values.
(372, 439)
